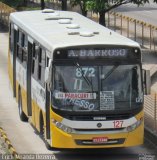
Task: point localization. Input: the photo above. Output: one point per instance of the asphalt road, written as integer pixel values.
(146, 13)
(25, 140)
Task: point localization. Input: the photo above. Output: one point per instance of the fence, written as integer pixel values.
(145, 34)
(5, 11)
(150, 107)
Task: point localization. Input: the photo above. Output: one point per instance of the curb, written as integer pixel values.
(8, 144)
(151, 136)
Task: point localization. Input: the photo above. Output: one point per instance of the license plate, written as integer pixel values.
(100, 139)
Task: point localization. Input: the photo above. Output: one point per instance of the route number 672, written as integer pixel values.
(86, 71)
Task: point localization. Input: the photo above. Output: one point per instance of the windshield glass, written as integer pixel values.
(97, 88)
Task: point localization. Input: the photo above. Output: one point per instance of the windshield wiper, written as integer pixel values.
(110, 71)
(85, 77)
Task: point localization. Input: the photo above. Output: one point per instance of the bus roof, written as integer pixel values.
(50, 30)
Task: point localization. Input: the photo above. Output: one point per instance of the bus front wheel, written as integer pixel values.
(22, 115)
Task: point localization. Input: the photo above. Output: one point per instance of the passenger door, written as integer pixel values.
(29, 71)
(14, 58)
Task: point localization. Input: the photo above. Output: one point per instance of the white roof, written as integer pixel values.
(51, 34)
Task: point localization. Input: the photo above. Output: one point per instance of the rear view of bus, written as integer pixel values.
(84, 85)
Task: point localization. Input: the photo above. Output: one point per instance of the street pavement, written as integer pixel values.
(146, 13)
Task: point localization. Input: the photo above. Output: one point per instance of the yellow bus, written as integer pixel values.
(78, 83)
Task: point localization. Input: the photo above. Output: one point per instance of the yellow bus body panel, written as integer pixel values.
(60, 139)
(36, 110)
(10, 70)
(36, 115)
(24, 97)
(137, 136)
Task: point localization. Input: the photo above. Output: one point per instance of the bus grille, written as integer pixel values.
(97, 130)
(91, 117)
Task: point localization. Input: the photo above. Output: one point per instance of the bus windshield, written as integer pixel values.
(97, 88)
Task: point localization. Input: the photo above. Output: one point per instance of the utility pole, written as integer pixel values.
(25, 2)
(42, 4)
(64, 5)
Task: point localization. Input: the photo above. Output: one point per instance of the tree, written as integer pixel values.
(42, 4)
(104, 6)
(82, 4)
(14, 3)
(25, 2)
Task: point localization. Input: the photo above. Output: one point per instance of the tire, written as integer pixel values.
(42, 133)
(48, 146)
(22, 115)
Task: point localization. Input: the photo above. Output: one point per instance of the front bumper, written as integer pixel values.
(60, 139)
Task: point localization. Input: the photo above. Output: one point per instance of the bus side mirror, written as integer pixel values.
(146, 82)
(48, 75)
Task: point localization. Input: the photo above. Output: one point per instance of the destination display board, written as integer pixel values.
(104, 53)
(97, 53)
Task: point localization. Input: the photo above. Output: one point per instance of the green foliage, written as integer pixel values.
(104, 6)
(82, 4)
(98, 5)
(20, 5)
(12, 3)
(75, 2)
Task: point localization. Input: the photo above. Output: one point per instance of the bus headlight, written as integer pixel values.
(135, 125)
(62, 126)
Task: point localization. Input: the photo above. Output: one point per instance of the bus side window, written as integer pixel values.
(19, 47)
(21, 50)
(41, 66)
(24, 44)
(47, 61)
(34, 61)
(11, 37)
(22, 39)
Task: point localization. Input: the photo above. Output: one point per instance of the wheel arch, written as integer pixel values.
(41, 120)
(19, 92)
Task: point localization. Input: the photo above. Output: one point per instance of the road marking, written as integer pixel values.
(8, 144)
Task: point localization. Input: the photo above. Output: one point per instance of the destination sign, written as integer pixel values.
(102, 53)
(61, 95)
(98, 53)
